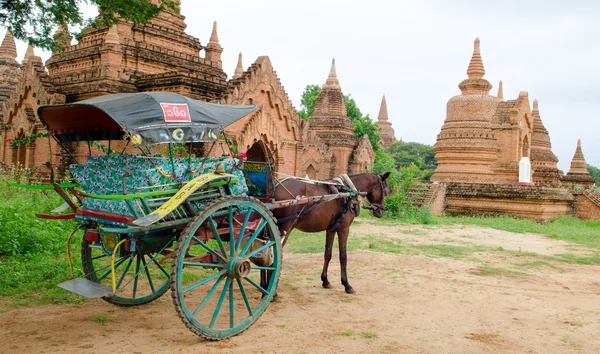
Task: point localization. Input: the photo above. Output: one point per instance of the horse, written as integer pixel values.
(334, 216)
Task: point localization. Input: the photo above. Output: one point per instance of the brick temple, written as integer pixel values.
(495, 157)
(387, 134)
(161, 56)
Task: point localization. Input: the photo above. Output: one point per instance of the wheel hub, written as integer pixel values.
(239, 268)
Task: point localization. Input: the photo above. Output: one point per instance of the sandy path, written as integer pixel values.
(406, 304)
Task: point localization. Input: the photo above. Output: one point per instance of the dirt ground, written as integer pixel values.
(499, 302)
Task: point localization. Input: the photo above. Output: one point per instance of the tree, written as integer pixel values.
(408, 154)
(362, 124)
(35, 21)
(308, 100)
(595, 172)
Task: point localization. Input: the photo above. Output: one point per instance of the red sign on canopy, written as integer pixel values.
(176, 112)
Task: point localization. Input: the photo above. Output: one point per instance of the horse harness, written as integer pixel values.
(374, 207)
(339, 184)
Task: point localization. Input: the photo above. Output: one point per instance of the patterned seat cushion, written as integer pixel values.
(127, 174)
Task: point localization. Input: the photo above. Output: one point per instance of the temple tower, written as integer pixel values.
(128, 57)
(331, 123)
(500, 91)
(213, 49)
(9, 68)
(466, 147)
(578, 173)
(239, 69)
(387, 132)
(543, 160)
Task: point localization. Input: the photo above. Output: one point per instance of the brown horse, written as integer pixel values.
(334, 216)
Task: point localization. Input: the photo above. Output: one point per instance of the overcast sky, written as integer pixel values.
(417, 52)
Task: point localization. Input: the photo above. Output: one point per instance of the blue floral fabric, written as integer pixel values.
(127, 174)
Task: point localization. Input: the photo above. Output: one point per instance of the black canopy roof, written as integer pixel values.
(148, 117)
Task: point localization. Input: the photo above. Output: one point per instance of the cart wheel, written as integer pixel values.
(215, 278)
(141, 277)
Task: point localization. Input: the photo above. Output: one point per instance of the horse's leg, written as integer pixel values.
(328, 249)
(343, 241)
(264, 280)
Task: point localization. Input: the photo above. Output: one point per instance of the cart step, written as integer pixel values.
(86, 288)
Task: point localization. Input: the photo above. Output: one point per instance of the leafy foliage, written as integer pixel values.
(402, 182)
(409, 154)
(34, 21)
(595, 172)
(308, 100)
(401, 203)
(362, 124)
(32, 250)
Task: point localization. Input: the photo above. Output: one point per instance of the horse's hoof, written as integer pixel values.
(350, 291)
(327, 286)
(275, 298)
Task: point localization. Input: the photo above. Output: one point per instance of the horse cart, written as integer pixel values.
(199, 226)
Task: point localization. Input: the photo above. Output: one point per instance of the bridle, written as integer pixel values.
(375, 207)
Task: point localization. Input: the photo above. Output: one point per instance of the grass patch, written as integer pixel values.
(576, 259)
(489, 270)
(348, 333)
(369, 335)
(102, 319)
(33, 251)
(451, 251)
(540, 264)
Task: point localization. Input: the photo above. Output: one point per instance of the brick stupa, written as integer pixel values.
(578, 173)
(387, 132)
(239, 69)
(8, 67)
(543, 160)
(128, 57)
(331, 123)
(466, 147)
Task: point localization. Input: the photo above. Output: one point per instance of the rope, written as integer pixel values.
(112, 265)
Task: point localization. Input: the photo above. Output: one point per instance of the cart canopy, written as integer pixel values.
(146, 117)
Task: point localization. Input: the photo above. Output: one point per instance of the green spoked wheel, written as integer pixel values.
(226, 267)
(141, 276)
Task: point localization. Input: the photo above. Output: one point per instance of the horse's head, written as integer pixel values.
(377, 190)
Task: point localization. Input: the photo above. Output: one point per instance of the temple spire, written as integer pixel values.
(213, 36)
(476, 70)
(535, 106)
(578, 172)
(500, 91)
(578, 164)
(332, 80)
(30, 55)
(8, 50)
(213, 48)
(62, 36)
(383, 113)
(112, 36)
(239, 69)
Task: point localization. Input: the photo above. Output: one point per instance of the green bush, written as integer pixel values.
(33, 251)
(21, 232)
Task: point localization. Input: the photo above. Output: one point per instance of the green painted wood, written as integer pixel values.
(147, 272)
(43, 186)
(236, 282)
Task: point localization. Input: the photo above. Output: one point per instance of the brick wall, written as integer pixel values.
(586, 207)
(533, 202)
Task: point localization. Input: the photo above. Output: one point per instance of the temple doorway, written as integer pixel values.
(311, 172)
(257, 152)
